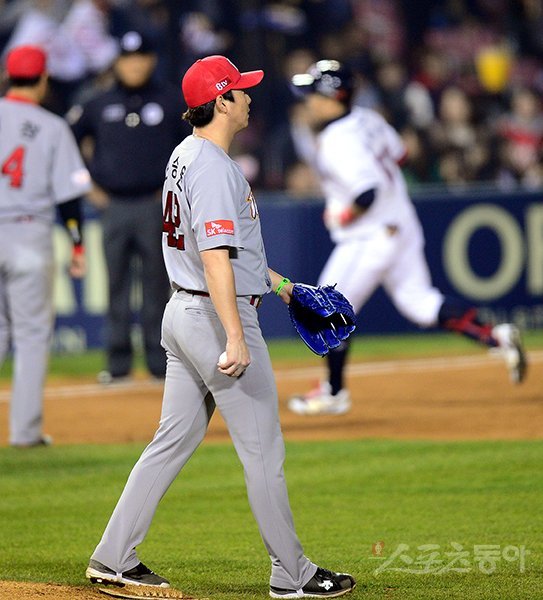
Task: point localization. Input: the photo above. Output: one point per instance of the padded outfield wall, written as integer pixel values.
(484, 247)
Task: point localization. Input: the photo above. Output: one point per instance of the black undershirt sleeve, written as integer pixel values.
(365, 199)
(72, 217)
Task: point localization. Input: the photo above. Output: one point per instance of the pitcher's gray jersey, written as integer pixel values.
(40, 162)
(207, 203)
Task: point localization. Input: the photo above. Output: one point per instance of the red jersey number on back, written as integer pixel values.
(12, 167)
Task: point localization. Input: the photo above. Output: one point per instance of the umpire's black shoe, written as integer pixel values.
(139, 575)
(324, 584)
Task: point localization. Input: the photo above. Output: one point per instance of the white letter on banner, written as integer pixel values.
(63, 296)
(95, 282)
(456, 258)
(534, 229)
(95, 300)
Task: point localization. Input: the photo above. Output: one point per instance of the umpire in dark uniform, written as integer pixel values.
(133, 128)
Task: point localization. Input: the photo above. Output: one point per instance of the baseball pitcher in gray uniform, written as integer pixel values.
(216, 355)
(40, 167)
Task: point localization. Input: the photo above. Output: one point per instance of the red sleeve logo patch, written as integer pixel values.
(219, 227)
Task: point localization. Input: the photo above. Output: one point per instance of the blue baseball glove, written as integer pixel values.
(321, 315)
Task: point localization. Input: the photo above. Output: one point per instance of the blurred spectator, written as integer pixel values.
(150, 17)
(523, 126)
(406, 56)
(461, 142)
(452, 168)
(419, 165)
(454, 127)
(433, 72)
(402, 102)
(278, 153)
(382, 24)
(480, 160)
(41, 24)
(459, 36)
(200, 37)
(521, 130)
(87, 25)
(525, 26)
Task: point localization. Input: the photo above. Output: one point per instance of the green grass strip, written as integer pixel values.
(346, 496)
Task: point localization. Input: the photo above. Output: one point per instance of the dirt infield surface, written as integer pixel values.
(455, 398)
(458, 398)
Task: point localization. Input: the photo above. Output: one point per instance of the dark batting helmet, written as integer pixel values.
(326, 77)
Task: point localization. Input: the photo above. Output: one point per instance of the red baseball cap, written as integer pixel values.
(212, 76)
(26, 62)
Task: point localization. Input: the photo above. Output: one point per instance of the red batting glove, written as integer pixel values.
(334, 218)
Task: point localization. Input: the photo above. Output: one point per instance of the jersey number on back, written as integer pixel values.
(13, 167)
(171, 221)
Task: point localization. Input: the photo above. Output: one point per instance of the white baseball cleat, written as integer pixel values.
(320, 401)
(324, 584)
(511, 349)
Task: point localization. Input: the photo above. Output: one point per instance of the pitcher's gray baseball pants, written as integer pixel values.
(194, 338)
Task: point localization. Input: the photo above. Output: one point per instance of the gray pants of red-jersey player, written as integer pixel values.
(194, 338)
(26, 320)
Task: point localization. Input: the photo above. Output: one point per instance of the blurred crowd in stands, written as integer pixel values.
(460, 79)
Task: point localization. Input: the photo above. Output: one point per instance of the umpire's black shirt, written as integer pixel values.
(134, 132)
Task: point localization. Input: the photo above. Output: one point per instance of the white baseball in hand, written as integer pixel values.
(222, 359)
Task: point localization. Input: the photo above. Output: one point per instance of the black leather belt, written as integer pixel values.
(253, 300)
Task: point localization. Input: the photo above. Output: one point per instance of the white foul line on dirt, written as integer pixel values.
(418, 365)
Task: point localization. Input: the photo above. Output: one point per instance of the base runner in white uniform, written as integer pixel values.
(216, 262)
(40, 167)
(371, 219)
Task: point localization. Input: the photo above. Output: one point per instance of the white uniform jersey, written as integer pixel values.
(207, 203)
(384, 245)
(352, 155)
(39, 160)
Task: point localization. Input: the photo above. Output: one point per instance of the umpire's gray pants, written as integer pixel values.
(194, 338)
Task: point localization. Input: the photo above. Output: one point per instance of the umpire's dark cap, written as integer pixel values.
(135, 42)
(26, 62)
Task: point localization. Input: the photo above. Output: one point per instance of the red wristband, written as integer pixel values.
(78, 250)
